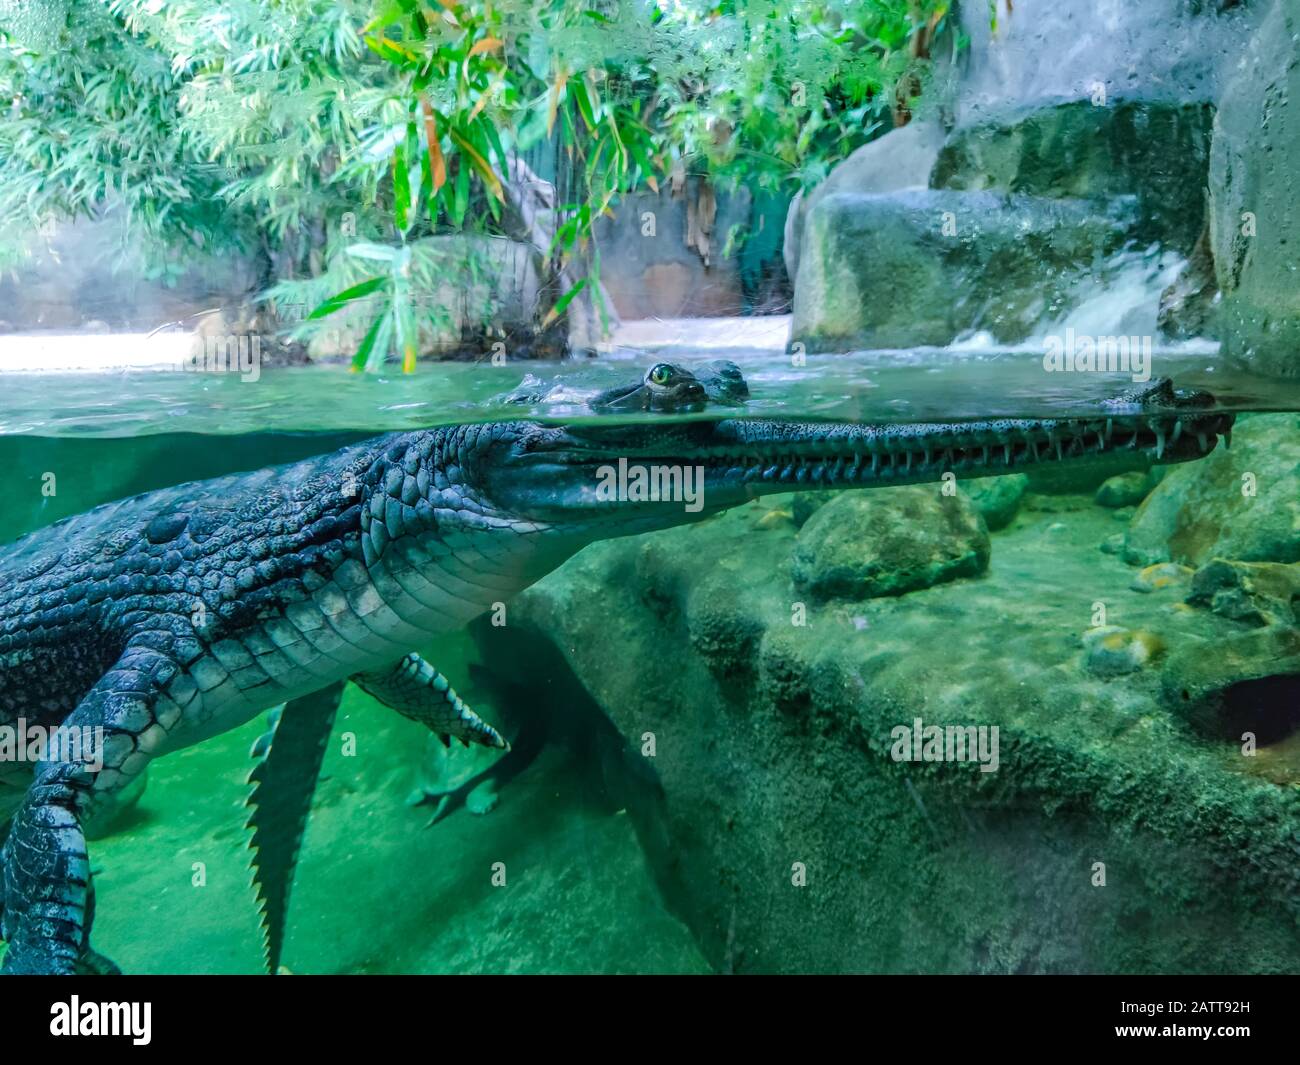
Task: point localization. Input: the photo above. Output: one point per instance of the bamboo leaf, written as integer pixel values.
(379, 253)
(562, 304)
(487, 44)
(383, 338)
(401, 189)
(404, 324)
(481, 165)
(461, 199)
(585, 109)
(341, 299)
(553, 104)
(362, 355)
(437, 164)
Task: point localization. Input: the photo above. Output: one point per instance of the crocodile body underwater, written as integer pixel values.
(155, 622)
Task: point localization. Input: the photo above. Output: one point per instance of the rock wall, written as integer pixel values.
(1103, 108)
(662, 252)
(1255, 198)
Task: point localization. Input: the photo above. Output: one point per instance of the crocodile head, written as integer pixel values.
(610, 480)
(663, 387)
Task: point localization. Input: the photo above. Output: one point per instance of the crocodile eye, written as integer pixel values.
(661, 374)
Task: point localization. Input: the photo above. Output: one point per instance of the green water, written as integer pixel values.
(769, 830)
(940, 384)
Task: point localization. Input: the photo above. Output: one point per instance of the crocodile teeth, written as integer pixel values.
(1178, 431)
(1110, 427)
(1056, 443)
(1160, 441)
(907, 466)
(1006, 452)
(1205, 444)
(985, 455)
(1227, 439)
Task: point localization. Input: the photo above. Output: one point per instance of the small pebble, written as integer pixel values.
(1161, 575)
(1111, 651)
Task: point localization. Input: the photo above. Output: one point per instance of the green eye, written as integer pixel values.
(661, 374)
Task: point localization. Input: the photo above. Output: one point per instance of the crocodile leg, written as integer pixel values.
(119, 723)
(413, 688)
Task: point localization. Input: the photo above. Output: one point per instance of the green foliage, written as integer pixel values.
(267, 126)
(773, 94)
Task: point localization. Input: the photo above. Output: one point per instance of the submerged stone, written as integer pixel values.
(1161, 575)
(1112, 651)
(997, 498)
(1124, 490)
(869, 544)
(1239, 503)
(1258, 593)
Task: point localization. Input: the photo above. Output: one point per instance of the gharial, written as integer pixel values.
(175, 615)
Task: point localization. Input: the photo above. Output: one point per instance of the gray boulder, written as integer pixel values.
(901, 159)
(922, 266)
(869, 544)
(1242, 503)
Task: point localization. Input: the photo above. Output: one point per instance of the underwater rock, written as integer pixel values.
(1245, 682)
(1255, 229)
(1113, 544)
(867, 544)
(778, 770)
(1112, 651)
(1239, 503)
(1161, 575)
(922, 266)
(719, 627)
(1124, 490)
(1258, 593)
(997, 498)
(805, 504)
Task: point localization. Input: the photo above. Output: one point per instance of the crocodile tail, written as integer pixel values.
(289, 757)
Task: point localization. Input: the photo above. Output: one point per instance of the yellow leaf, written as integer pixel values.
(437, 165)
(408, 359)
(487, 44)
(553, 107)
(482, 102)
(480, 164)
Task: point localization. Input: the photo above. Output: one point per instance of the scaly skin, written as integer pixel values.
(176, 615)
